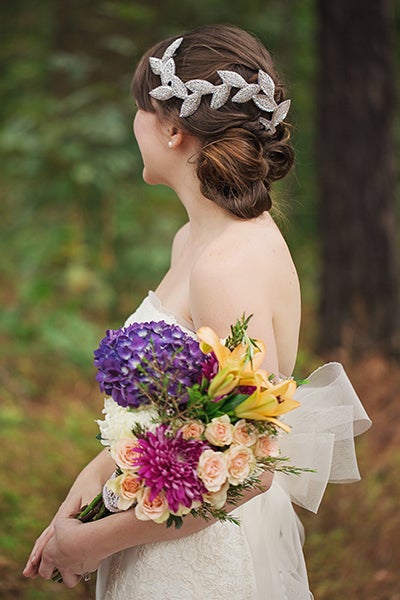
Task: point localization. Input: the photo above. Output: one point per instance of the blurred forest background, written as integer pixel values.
(82, 239)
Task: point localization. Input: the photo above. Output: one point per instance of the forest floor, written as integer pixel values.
(352, 546)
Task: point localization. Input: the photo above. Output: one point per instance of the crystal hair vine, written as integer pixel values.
(261, 93)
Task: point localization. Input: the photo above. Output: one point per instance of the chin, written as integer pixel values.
(152, 178)
(147, 178)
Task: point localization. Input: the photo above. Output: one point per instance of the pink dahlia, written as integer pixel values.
(168, 462)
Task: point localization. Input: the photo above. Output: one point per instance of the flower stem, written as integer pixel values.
(89, 512)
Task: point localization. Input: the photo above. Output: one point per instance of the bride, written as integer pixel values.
(210, 125)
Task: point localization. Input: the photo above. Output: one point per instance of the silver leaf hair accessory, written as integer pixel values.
(261, 93)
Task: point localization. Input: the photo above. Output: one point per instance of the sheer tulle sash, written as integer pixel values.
(322, 436)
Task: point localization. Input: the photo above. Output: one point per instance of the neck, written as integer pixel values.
(207, 219)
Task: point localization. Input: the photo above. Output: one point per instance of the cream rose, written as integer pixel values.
(155, 510)
(212, 470)
(217, 499)
(244, 433)
(184, 510)
(266, 446)
(193, 430)
(124, 452)
(240, 462)
(220, 431)
(127, 487)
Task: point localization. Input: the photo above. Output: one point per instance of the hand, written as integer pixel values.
(67, 508)
(87, 485)
(32, 565)
(70, 550)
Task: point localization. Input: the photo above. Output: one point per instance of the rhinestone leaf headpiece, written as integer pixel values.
(191, 92)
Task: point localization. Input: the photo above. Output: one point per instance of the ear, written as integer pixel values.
(176, 137)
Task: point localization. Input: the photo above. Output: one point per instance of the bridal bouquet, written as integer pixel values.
(191, 424)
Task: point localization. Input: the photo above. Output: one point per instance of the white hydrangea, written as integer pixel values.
(119, 421)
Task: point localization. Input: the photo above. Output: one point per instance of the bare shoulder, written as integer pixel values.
(251, 250)
(248, 270)
(179, 241)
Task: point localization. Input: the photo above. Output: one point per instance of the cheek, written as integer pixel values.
(137, 126)
(141, 124)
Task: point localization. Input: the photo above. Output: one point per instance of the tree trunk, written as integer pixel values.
(359, 306)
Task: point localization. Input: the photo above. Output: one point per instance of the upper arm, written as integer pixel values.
(225, 286)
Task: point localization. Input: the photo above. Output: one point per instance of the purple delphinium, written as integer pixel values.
(169, 462)
(142, 361)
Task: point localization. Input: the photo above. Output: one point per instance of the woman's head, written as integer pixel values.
(238, 156)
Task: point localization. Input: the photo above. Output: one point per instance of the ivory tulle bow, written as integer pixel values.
(322, 436)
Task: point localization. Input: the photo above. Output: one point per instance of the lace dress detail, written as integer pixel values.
(213, 563)
(262, 559)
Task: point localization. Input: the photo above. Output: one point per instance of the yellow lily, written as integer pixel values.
(235, 368)
(223, 383)
(267, 404)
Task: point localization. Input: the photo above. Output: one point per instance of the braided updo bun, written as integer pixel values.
(238, 158)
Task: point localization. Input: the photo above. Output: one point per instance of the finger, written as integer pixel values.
(37, 550)
(70, 580)
(31, 567)
(46, 569)
(47, 566)
(30, 570)
(34, 558)
(41, 543)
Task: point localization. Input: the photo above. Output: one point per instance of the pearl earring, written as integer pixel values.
(170, 144)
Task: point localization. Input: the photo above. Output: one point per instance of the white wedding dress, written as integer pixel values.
(262, 559)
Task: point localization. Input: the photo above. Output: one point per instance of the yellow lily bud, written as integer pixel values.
(223, 383)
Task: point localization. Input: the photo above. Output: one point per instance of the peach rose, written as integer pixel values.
(266, 446)
(127, 487)
(244, 433)
(193, 430)
(240, 462)
(130, 485)
(212, 470)
(124, 452)
(219, 431)
(155, 510)
(217, 499)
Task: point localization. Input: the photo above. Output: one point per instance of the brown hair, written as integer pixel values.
(238, 159)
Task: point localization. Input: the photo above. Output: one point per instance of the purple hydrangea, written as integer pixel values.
(142, 361)
(169, 462)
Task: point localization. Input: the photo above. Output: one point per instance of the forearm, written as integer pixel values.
(89, 482)
(123, 530)
(75, 547)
